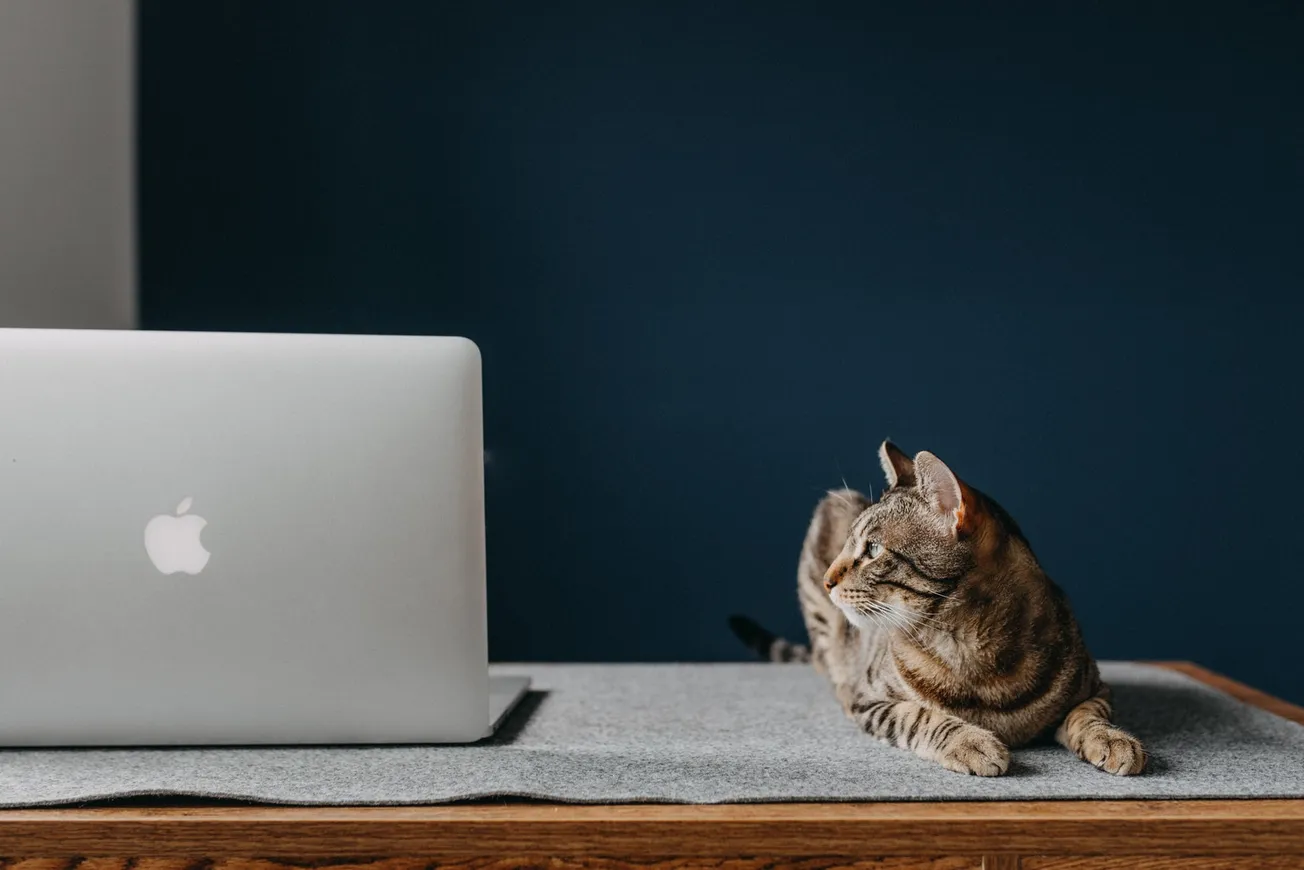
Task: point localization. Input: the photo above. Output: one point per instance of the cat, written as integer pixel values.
(937, 627)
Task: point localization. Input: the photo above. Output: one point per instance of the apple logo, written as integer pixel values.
(172, 542)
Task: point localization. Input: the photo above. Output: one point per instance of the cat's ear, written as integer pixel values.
(899, 468)
(940, 487)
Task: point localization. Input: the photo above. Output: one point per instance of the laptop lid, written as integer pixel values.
(240, 538)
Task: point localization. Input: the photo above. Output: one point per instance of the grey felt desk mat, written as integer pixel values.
(695, 734)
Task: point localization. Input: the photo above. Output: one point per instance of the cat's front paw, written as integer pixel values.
(975, 751)
(1113, 751)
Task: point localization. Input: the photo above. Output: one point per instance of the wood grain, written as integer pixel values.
(1142, 862)
(732, 837)
(1001, 862)
(508, 863)
(974, 828)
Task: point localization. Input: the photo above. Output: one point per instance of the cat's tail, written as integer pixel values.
(767, 645)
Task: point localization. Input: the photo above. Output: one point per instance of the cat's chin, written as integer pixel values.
(854, 616)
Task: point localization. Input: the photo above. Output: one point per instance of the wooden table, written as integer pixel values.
(1036, 835)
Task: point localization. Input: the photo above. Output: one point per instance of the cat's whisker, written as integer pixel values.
(842, 498)
(888, 615)
(934, 624)
(919, 618)
(871, 615)
(897, 621)
(893, 616)
(913, 615)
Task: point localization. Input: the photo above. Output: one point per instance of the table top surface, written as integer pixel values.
(1177, 827)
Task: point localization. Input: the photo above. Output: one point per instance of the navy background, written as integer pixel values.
(714, 252)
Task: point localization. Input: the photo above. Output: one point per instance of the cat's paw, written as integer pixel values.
(1113, 751)
(975, 751)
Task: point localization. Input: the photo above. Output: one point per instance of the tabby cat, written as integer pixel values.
(939, 630)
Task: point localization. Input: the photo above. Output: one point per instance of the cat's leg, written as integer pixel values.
(1089, 731)
(933, 734)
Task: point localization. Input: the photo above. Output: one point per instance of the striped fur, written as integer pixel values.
(939, 631)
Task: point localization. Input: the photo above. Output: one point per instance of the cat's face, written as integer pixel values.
(908, 553)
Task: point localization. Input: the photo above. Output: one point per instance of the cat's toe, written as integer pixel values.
(1114, 751)
(976, 752)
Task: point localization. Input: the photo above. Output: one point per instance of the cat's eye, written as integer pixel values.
(874, 550)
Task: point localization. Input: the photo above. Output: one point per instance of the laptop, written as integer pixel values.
(222, 538)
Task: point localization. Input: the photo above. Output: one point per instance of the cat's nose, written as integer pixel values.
(836, 572)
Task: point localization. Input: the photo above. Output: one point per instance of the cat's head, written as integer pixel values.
(911, 552)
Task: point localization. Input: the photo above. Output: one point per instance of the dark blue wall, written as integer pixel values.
(714, 252)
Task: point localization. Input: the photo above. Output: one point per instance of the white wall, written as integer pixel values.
(67, 246)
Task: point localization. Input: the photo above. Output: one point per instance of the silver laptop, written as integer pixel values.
(219, 538)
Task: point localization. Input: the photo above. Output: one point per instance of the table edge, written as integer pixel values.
(895, 827)
(1238, 690)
